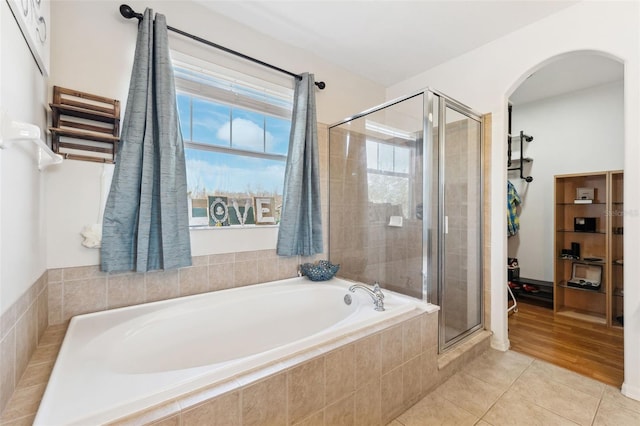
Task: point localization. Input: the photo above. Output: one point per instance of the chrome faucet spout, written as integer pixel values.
(376, 294)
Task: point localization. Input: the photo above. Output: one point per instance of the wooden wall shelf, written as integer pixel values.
(603, 305)
(84, 126)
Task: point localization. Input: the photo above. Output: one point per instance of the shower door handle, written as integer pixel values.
(446, 225)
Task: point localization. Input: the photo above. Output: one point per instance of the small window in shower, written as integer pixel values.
(388, 175)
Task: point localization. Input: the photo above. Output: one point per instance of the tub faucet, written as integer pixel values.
(376, 294)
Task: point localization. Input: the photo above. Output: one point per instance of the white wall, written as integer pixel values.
(484, 79)
(92, 50)
(23, 98)
(577, 132)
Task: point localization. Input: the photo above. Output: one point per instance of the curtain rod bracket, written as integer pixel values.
(127, 12)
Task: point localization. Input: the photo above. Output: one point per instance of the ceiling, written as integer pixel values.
(390, 41)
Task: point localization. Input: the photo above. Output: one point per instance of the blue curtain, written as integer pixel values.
(300, 230)
(146, 224)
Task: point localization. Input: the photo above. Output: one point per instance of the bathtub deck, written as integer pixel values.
(23, 405)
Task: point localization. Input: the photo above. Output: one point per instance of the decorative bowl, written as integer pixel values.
(322, 270)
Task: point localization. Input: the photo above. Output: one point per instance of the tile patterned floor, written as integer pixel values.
(508, 388)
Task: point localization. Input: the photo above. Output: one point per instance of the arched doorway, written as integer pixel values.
(573, 107)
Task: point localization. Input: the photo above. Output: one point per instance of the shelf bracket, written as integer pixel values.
(523, 138)
(12, 131)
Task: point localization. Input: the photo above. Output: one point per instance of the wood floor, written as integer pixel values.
(586, 348)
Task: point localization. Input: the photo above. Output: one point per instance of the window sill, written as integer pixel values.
(206, 228)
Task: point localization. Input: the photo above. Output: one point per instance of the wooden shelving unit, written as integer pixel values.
(595, 305)
(84, 126)
(616, 249)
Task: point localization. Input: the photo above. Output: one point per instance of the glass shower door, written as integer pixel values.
(461, 226)
(375, 191)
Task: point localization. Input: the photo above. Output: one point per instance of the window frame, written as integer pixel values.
(281, 109)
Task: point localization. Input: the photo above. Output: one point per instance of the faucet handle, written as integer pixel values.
(377, 290)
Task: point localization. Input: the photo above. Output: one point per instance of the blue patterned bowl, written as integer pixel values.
(322, 270)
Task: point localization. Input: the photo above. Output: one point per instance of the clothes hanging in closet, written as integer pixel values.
(513, 201)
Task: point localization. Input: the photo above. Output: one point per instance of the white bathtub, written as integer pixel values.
(118, 362)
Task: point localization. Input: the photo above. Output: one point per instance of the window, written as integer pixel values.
(388, 171)
(236, 136)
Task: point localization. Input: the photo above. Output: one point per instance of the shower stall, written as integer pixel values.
(405, 204)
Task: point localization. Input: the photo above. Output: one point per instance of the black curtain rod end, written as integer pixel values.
(127, 12)
(321, 85)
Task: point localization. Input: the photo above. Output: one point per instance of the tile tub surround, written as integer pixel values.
(345, 381)
(81, 290)
(23, 405)
(21, 328)
(368, 378)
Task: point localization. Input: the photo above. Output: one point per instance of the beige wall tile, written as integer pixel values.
(243, 256)
(7, 321)
(194, 280)
(341, 413)
(412, 381)
(368, 360)
(82, 273)
(429, 371)
(287, 266)
(125, 290)
(162, 285)
(267, 270)
(215, 259)
(412, 338)
(23, 303)
(306, 389)
(368, 402)
(42, 307)
(245, 273)
(221, 276)
(265, 403)
(340, 373)
(221, 411)
(84, 296)
(26, 339)
(392, 348)
(7, 368)
(316, 419)
(429, 331)
(199, 260)
(54, 275)
(391, 394)
(54, 296)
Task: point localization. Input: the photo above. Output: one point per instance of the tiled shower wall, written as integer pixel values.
(21, 327)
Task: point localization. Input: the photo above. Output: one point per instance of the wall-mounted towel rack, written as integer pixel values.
(13, 131)
(521, 159)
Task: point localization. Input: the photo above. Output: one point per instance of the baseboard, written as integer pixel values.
(499, 344)
(632, 392)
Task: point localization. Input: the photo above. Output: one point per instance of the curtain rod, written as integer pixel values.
(127, 12)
